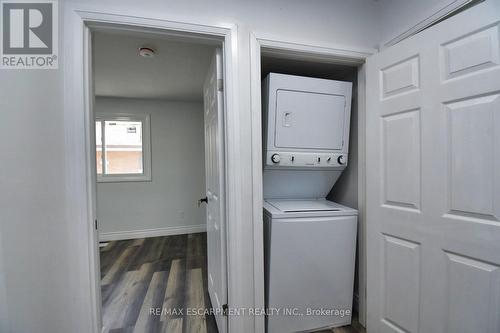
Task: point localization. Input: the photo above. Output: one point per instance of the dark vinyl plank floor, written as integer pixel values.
(354, 328)
(142, 277)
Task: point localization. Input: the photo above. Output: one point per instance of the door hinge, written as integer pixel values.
(224, 309)
(220, 85)
(95, 224)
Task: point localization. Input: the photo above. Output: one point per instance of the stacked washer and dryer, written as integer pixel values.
(310, 242)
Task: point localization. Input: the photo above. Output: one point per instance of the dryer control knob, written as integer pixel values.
(341, 159)
(275, 158)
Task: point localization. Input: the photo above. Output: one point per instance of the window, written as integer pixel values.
(123, 151)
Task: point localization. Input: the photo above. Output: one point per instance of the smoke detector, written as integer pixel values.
(146, 52)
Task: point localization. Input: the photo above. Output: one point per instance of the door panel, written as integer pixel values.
(472, 123)
(401, 268)
(433, 179)
(401, 77)
(471, 53)
(401, 159)
(475, 308)
(214, 164)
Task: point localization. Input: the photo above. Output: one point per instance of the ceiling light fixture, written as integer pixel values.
(146, 52)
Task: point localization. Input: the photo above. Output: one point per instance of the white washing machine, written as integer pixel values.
(310, 242)
(310, 249)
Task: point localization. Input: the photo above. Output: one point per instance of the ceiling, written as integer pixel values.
(176, 72)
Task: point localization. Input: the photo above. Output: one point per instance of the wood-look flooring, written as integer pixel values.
(142, 276)
(354, 328)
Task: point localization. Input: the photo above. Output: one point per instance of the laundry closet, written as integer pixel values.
(310, 190)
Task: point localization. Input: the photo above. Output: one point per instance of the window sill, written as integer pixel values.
(123, 179)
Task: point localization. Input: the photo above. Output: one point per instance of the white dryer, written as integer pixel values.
(306, 135)
(310, 242)
(310, 249)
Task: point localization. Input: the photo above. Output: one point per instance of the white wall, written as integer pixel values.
(46, 291)
(4, 322)
(33, 222)
(168, 203)
(397, 16)
(352, 23)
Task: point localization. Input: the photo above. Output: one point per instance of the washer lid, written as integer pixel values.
(306, 207)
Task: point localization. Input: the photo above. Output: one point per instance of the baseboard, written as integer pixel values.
(168, 231)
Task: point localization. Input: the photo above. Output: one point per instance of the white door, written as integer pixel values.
(433, 179)
(214, 165)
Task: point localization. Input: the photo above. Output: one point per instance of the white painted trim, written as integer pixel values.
(91, 173)
(305, 51)
(80, 164)
(257, 191)
(157, 232)
(429, 21)
(320, 51)
(361, 296)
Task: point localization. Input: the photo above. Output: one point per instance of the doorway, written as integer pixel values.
(297, 58)
(157, 136)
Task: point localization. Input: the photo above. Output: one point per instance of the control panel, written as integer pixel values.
(305, 160)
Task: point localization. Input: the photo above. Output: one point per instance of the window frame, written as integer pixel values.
(145, 176)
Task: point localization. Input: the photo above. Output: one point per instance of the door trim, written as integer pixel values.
(79, 140)
(322, 52)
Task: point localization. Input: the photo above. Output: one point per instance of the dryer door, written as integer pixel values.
(306, 120)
